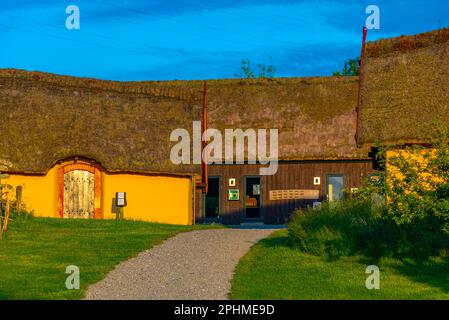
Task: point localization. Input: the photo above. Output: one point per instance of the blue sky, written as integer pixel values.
(199, 39)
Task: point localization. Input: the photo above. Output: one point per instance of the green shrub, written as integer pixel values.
(417, 185)
(332, 230)
(14, 213)
(360, 228)
(413, 222)
(21, 214)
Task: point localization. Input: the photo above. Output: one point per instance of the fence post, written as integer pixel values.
(18, 198)
(5, 220)
(1, 203)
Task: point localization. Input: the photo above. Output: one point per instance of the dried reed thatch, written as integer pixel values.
(405, 89)
(125, 126)
(315, 117)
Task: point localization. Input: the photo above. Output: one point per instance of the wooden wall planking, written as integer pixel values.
(290, 175)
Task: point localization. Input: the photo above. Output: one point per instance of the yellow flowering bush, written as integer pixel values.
(417, 184)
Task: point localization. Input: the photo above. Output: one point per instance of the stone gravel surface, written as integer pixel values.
(191, 265)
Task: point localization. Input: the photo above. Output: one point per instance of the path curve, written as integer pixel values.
(190, 265)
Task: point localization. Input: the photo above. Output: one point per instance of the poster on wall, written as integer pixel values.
(256, 189)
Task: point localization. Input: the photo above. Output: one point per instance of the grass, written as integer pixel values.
(272, 269)
(36, 252)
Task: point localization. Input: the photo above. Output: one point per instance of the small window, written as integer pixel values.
(335, 187)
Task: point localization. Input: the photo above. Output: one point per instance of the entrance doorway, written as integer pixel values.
(252, 200)
(212, 207)
(79, 191)
(79, 194)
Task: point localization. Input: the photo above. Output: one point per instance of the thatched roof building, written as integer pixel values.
(125, 126)
(405, 89)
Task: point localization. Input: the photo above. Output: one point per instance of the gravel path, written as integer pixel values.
(191, 265)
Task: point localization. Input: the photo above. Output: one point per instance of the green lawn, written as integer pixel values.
(273, 270)
(34, 257)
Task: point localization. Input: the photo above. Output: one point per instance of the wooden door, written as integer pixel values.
(79, 194)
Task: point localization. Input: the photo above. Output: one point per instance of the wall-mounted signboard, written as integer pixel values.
(120, 198)
(295, 194)
(233, 194)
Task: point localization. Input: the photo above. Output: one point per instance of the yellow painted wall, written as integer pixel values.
(150, 198)
(39, 192)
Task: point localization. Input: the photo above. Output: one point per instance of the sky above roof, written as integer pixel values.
(200, 39)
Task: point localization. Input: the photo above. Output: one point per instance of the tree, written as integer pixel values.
(267, 71)
(246, 70)
(351, 68)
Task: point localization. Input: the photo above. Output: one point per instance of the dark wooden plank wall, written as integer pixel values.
(199, 205)
(290, 175)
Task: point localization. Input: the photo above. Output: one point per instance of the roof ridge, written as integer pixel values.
(157, 89)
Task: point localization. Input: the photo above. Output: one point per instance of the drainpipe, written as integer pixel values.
(204, 171)
(359, 95)
(193, 198)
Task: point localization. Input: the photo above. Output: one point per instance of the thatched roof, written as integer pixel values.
(405, 89)
(316, 117)
(125, 126)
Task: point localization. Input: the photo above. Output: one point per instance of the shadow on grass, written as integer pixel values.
(276, 240)
(432, 271)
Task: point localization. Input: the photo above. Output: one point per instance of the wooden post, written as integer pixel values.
(1, 203)
(119, 213)
(3, 176)
(1, 207)
(359, 92)
(5, 225)
(18, 199)
(5, 222)
(204, 171)
(1, 211)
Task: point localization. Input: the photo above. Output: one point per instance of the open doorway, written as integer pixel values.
(212, 206)
(252, 204)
